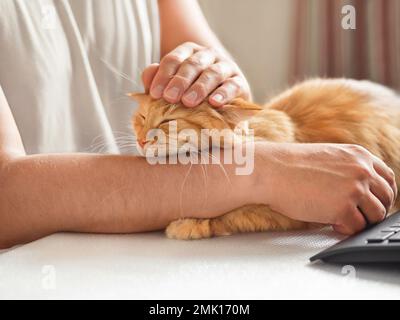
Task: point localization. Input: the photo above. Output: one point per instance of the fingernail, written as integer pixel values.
(173, 93)
(218, 97)
(157, 92)
(191, 97)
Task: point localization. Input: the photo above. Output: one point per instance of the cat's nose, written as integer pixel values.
(141, 143)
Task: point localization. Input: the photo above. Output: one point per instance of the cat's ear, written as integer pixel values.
(140, 98)
(238, 110)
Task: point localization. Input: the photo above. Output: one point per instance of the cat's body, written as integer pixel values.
(315, 111)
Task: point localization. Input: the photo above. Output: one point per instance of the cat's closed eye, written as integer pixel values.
(165, 121)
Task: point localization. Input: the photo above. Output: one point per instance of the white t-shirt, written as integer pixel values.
(66, 65)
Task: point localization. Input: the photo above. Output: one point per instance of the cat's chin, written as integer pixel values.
(156, 151)
(164, 152)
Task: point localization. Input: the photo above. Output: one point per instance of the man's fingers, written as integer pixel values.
(372, 209)
(187, 73)
(341, 229)
(210, 79)
(383, 191)
(386, 173)
(230, 89)
(353, 222)
(190, 73)
(169, 65)
(148, 75)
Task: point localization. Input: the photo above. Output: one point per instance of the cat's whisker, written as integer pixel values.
(96, 147)
(120, 134)
(118, 72)
(117, 100)
(122, 140)
(204, 171)
(126, 145)
(125, 141)
(127, 136)
(218, 162)
(181, 193)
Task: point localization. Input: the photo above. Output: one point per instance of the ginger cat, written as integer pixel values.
(314, 111)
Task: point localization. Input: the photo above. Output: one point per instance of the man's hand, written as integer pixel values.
(190, 73)
(341, 185)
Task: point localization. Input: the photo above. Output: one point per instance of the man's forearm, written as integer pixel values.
(182, 21)
(10, 140)
(43, 194)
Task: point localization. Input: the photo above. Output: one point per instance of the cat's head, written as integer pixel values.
(175, 120)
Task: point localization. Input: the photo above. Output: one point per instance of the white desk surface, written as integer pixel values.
(149, 266)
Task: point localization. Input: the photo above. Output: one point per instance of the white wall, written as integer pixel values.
(257, 33)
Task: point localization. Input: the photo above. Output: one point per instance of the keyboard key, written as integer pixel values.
(381, 237)
(391, 229)
(395, 238)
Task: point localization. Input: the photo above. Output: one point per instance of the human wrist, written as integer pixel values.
(267, 172)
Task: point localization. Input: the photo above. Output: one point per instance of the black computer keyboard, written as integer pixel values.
(377, 244)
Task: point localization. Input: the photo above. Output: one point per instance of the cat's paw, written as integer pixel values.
(189, 229)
